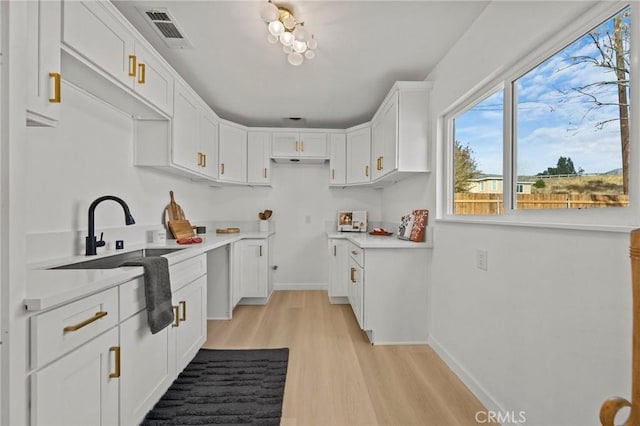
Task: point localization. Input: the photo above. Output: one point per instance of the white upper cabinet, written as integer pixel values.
(232, 154)
(359, 155)
(185, 130)
(258, 158)
(399, 132)
(292, 145)
(207, 147)
(43, 62)
(337, 159)
(95, 34)
(153, 80)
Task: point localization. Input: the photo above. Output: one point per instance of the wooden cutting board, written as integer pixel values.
(173, 210)
(181, 229)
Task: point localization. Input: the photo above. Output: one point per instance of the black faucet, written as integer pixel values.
(91, 240)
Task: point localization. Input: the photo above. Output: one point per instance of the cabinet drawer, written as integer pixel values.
(356, 254)
(58, 331)
(132, 298)
(184, 272)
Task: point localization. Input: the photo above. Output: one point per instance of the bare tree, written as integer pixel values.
(612, 53)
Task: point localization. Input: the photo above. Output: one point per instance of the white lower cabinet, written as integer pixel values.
(95, 360)
(356, 290)
(191, 326)
(338, 265)
(81, 388)
(251, 271)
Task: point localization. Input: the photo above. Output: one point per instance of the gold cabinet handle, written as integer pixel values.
(353, 252)
(56, 87)
(183, 305)
(176, 318)
(378, 163)
(265, 172)
(333, 174)
(116, 351)
(142, 76)
(222, 168)
(132, 65)
(296, 146)
(334, 250)
(85, 323)
(381, 163)
(260, 251)
(204, 160)
(302, 146)
(353, 275)
(366, 171)
(199, 159)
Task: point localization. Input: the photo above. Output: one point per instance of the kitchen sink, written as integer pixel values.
(117, 260)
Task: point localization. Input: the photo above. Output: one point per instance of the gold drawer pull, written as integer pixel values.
(296, 146)
(176, 317)
(142, 77)
(200, 159)
(265, 172)
(56, 87)
(366, 171)
(183, 305)
(353, 252)
(381, 163)
(333, 174)
(204, 160)
(222, 168)
(334, 250)
(132, 65)
(84, 323)
(353, 275)
(116, 350)
(302, 146)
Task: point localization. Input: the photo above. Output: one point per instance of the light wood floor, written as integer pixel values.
(335, 377)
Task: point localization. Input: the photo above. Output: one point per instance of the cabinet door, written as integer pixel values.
(147, 370)
(285, 145)
(386, 162)
(377, 146)
(232, 154)
(43, 59)
(208, 143)
(191, 331)
(236, 263)
(338, 257)
(253, 269)
(313, 145)
(153, 80)
(258, 162)
(356, 290)
(338, 159)
(185, 130)
(358, 156)
(93, 32)
(79, 388)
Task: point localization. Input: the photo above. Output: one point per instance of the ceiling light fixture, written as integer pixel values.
(297, 42)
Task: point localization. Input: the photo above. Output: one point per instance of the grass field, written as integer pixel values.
(603, 184)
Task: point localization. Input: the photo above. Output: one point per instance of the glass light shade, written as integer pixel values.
(313, 44)
(295, 58)
(289, 22)
(301, 33)
(286, 38)
(272, 39)
(269, 12)
(299, 46)
(276, 28)
(309, 54)
(287, 49)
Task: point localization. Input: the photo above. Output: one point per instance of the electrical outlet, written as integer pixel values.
(482, 260)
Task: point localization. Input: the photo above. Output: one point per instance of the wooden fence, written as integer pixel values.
(492, 204)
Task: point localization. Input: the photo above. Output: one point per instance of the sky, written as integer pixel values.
(553, 120)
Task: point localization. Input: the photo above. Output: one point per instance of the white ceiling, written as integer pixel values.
(363, 47)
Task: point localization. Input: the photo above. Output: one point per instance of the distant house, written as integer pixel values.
(493, 185)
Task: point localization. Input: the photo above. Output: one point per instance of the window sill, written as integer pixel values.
(479, 220)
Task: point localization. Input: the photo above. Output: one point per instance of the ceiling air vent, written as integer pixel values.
(166, 28)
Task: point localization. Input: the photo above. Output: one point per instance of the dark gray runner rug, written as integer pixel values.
(226, 387)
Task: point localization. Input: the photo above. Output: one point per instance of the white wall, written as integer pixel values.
(547, 329)
(91, 154)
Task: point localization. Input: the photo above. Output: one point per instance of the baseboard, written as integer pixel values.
(300, 286)
(474, 386)
(339, 300)
(218, 318)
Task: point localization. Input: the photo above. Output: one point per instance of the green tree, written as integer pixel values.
(563, 167)
(466, 167)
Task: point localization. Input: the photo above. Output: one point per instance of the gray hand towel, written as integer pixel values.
(157, 291)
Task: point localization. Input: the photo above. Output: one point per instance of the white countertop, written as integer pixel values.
(47, 288)
(365, 240)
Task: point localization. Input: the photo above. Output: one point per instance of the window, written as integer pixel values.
(569, 138)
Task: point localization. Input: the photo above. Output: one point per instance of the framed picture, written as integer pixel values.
(352, 221)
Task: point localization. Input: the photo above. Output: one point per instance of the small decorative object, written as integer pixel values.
(380, 231)
(264, 220)
(421, 219)
(352, 221)
(406, 225)
(159, 236)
